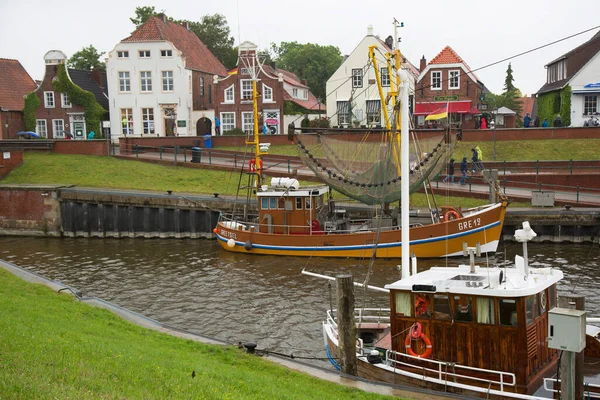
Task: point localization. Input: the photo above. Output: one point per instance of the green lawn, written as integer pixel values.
(524, 150)
(53, 347)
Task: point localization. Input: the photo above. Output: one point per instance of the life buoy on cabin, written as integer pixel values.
(315, 225)
(254, 165)
(416, 333)
(451, 215)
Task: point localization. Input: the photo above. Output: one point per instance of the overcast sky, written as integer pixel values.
(480, 31)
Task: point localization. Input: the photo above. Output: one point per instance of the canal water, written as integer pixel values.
(197, 286)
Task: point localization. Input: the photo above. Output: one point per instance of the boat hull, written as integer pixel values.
(429, 241)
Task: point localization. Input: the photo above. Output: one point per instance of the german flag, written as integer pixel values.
(440, 113)
(233, 71)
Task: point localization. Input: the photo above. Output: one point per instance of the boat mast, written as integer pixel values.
(255, 137)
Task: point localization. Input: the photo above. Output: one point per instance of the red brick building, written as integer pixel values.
(15, 83)
(57, 117)
(275, 87)
(447, 79)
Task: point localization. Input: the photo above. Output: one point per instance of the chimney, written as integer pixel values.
(423, 64)
(162, 16)
(97, 75)
(303, 81)
(187, 25)
(389, 41)
(370, 30)
(274, 65)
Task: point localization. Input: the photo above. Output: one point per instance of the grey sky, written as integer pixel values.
(480, 31)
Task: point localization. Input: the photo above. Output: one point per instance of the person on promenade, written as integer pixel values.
(450, 171)
(526, 121)
(545, 123)
(536, 122)
(557, 121)
(483, 123)
(463, 170)
(217, 126)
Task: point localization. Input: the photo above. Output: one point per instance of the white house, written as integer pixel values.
(352, 96)
(160, 82)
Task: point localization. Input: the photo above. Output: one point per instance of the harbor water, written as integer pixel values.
(196, 286)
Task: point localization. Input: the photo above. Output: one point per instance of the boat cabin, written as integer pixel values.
(492, 319)
(284, 208)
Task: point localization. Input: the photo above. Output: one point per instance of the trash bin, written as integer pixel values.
(196, 154)
(207, 141)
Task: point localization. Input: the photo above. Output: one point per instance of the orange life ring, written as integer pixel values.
(422, 336)
(451, 215)
(253, 165)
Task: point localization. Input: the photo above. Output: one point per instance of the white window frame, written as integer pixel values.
(345, 118)
(58, 133)
(450, 78)
(373, 118)
(201, 86)
(384, 75)
(41, 123)
(48, 99)
(229, 95)
(590, 105)
(166, 53)
(357, 77)
(167, 81)
(124, 81)
(267, 94)
(437, 74)
(143, 53)
(148, 126)
(305, 94)
(227, 124)
(122, 54)
(248, 122)
(146, 81)
(129, 118)
(64, 100)
(295, 93)
(243, 89)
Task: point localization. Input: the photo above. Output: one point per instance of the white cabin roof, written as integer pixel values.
(484, 282)
(304, 192)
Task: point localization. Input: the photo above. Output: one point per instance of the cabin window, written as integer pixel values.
(543, 302)
(508, 312)
(307, 204)
(403, 304)
(422, 305)
(485, 310)
(264, 203)
(281, 203)
(463, 308)
(298, 203)
(552, 296)
(531, 309)
(273, 203)
(441, 307)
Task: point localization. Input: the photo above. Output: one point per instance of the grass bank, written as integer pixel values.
(109, 172)
(54, 347)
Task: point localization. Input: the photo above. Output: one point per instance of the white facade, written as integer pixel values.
(340, 85)
(585, 92)
(150, 90)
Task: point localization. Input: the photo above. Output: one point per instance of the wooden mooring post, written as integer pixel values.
(346, 324)
(571, 364)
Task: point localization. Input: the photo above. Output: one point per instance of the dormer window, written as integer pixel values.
(166, 53)
(557, 71)
(123, 54)
(144, 53)
(436, 80)
(295, 93)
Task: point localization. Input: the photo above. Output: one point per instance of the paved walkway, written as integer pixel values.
(225, 160)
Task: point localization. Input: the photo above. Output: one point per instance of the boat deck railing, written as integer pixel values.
(362, 315)
(590, 390)
(446, 371)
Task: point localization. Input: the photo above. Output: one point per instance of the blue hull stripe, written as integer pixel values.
(331, 359)
(365, 246)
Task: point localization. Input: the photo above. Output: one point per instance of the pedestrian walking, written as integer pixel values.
(483, 123)
(526, 121)
(557, 121)
(545, 123)
(536, 122)
(217, 126)
(463, 171)
(450, 172)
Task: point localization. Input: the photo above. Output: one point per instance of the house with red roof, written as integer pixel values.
(574, 77)
(352, 97)
(160, 82)
(448, 79)
(15, 83)
(279, 91)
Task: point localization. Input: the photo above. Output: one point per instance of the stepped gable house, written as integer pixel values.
(57, 116)
(160, 82)
(448, 79)
(15, 83)
(278, 90)
(352, 96)
(578, 69)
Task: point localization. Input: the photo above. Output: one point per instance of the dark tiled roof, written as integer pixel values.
(84, 80)
(581, 54)
(15, 83)
(197, 56)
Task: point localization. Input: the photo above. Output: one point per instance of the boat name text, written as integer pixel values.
(228, 234)
(472, 223)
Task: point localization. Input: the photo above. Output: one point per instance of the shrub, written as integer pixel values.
(234, 132)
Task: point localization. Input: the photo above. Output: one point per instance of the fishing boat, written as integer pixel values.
(363, 164)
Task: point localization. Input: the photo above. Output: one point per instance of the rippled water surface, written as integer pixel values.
(194, 285)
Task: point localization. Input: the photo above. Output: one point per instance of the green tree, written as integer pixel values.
(87, 59)
(508, 81)
(214, 32)
(142, 14)
(312, 62)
